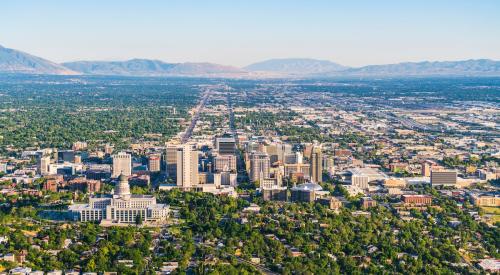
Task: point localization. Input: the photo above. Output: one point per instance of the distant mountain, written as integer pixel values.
(13, 61)
(473, 67)
(295, 66)
(146, 67)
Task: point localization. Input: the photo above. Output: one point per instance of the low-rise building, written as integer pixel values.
(416, 199)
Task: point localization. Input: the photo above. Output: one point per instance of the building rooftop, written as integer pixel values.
(309, 186)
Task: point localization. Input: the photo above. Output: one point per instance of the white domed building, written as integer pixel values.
(121, 207)
(307, 192)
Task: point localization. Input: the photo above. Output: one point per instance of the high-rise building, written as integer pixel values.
(187, 166)
(225, 178)
(259, 166)
(154, 161)
(43, 165)
(316, 164)
(122, 164)
(108, 149)
(328, 165)
(171, 161)
(298, 168)
(443, 177)
(225, 163)
(283, 149)
(226, 145)
(66, 155)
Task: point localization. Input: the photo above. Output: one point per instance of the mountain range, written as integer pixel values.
(17, 62)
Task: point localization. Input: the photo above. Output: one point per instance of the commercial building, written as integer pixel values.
(443, 177)
(226, 145)
(316, 164)
(187, 166)
(259, 166)
(224, 163)
(361, 177)
(275, 194)
(416, 199)
(85, 185)
(154, 162)
(171, 160)
(52, 182)
(43, 165)
(302, 168)
(225, 178)
(394, 183)
(98, 172)
(328, 165)
(427, 166)
(122, 164)
(66, 155)
(492, 200)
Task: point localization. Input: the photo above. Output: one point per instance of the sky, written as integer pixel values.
(238, 32)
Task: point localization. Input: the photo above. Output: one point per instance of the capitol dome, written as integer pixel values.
(309, 186)
(122, 188)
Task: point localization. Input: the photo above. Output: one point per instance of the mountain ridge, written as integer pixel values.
(149, 67)
(18, 62)
(295, 66)
(14, 61)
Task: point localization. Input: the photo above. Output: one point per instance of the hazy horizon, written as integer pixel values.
(239, 34)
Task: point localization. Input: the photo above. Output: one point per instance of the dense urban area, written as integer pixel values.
(124, 175)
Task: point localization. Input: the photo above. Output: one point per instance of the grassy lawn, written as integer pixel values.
(491, 210)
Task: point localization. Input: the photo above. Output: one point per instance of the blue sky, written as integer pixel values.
(240, 32)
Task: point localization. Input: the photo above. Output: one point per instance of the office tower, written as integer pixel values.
(43, 165)
(252, 146)
(171, 160)
(187, 166)
(328, 165)
(316, 164)
(122, 164)
(272, 151)
(443, 177)
(225, 178)
(108, 149)
(226, 145)
(225, 163)
(66, 155)
(282, 150)
(259, 166)
(303, 169)
(154, 161)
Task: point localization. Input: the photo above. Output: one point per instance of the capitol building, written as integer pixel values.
(121, 207)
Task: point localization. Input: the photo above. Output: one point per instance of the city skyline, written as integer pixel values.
(353, 34)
